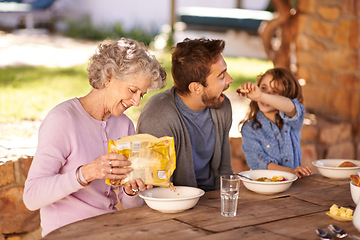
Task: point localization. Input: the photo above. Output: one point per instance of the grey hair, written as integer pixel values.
(124, 58)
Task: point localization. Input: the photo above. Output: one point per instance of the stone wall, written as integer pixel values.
(321, 138)
(328, 58)
(16, 221)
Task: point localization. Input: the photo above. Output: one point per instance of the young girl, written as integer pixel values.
(272, 129)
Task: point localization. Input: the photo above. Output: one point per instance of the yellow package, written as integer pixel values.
(153, 159)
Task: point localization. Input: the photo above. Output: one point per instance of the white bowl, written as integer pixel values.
(171, 201)
(355, 192)
(267, 187)
(330, 168)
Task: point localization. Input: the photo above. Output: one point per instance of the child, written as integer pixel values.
(272, 129)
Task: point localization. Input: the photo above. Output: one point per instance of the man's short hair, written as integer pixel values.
(192, 60)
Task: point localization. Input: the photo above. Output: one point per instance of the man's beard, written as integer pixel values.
(211, 102)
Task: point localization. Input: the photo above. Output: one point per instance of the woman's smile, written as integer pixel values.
(124, 105)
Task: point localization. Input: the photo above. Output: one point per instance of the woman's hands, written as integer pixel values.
(108, 165)
(135, 186)
(113, 166)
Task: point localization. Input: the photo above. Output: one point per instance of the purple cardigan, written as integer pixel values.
(70, 137)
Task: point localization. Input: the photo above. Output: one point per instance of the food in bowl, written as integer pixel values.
(355, 179)
(267, 187)
(340, 214)
(172, 200)
(273, 179)
(330, 168)
(347, 164)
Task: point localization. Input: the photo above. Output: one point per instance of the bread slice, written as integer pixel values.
(355, 179)
(347, 164)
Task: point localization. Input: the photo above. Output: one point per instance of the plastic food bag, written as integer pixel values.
(153, 159)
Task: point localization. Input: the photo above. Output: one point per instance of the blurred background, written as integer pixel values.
(45, 44)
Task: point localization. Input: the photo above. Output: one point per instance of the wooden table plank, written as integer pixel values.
(252, 213)
(304, 227)
(325, 180)
(166, 229)
(327, 196)
(315, 181)
(121, 220)
(248, 233)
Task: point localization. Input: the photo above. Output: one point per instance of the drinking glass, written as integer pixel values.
(229, 191)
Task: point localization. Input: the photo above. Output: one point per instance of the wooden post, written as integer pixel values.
(283, 25)
(172, 17)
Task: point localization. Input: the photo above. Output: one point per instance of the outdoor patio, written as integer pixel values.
(326, 36)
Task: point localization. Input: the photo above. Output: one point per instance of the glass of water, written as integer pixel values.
(229, 191)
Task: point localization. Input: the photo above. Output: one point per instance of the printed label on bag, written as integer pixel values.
(121, 146)
(161, 174)
(136, 146)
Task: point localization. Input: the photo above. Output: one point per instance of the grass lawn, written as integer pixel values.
(28, 93)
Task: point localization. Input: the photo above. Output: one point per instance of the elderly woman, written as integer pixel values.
(66, 180)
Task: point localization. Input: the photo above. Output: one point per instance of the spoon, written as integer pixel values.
(245, 177)
(340, 233)
(323, 235)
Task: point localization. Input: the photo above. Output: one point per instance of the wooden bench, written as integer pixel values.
(224, 18)
(30, 11)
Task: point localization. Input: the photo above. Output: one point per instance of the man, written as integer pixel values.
(195, 112)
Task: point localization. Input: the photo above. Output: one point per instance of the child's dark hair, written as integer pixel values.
(286, 85)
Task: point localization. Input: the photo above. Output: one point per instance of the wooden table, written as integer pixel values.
(293, 214)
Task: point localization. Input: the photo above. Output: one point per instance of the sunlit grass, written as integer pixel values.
(244, 69)
(28, 93)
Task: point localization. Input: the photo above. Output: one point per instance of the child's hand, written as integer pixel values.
(302, 171)
(250, 90)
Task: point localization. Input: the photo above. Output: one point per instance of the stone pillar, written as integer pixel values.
(16, 221)
(328, 58)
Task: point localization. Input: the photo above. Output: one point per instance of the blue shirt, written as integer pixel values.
(200, 127)
(269, 144)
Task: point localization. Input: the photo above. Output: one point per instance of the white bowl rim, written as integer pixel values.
(352, 183)
(201, 193)
(268, 183)
(337, 168)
